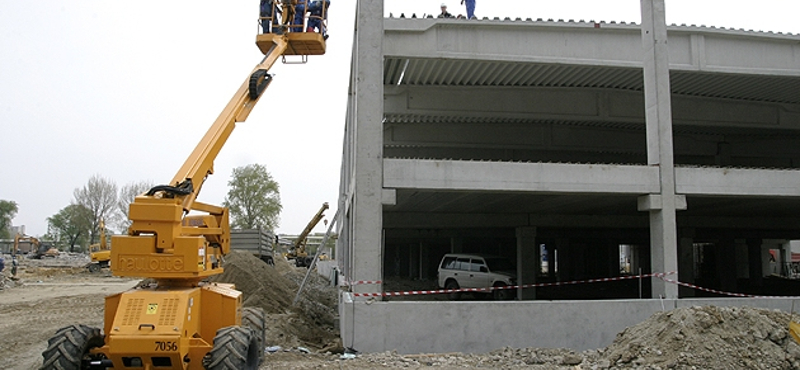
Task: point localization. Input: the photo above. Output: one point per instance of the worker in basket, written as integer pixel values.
(318, 17)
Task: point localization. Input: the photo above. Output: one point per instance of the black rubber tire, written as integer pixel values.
(94, 268)
(452, 284)
(235, 348)
(502, 294)
(68, 349)
(254, 318)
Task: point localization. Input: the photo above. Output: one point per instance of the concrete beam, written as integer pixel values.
(731, 181)
(460, 104)
(505, 176)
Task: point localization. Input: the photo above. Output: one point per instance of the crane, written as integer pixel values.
(182, 322)
(298, 252)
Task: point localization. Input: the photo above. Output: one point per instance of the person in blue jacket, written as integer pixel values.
(318, 15)
(265, 11)
(470, 8)
(299, 14)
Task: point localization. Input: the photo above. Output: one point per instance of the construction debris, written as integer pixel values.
(707, 337)
(309, 323)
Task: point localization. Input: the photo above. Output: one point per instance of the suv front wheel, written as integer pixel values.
(502, 294)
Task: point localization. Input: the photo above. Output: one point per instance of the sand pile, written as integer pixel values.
(309, 323)
(707, 337)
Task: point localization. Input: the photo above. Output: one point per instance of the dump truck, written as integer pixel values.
(257, 242)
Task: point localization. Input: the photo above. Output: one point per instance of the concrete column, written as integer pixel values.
(456, 245)
(368, 146)
(785, 257)
(413, 261)
(565, 269)
(686, 266)
(754, 262)
(658, 119)
(425, 261)
(528, 263)
(742, 259)
(725, 252)
(612, 258)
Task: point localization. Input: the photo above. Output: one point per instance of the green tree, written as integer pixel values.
(71, 225)
(126, 196)
(253, 199)
(8, 209)
(99, 195)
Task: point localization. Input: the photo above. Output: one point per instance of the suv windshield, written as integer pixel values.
(500, 264)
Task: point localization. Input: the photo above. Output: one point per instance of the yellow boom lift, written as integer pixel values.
(181, 322)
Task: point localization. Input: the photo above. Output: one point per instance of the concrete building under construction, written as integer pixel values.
(601, 146)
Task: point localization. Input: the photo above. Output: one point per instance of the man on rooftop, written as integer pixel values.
(444, 13)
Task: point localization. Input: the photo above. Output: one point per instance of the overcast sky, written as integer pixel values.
(125, 90)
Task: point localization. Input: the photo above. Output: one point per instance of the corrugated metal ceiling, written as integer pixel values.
(444, 72)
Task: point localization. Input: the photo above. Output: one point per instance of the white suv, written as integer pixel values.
(477, 271)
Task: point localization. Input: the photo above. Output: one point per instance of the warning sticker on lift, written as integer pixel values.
(152, 308)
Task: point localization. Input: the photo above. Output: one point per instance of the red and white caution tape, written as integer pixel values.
(360, 282)
(721, 292)
(489, 289)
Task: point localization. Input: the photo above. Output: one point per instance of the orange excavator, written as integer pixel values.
(100, 253)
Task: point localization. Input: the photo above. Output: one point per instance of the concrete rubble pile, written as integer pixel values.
(63, 259)
(307, 324)
(706, 337)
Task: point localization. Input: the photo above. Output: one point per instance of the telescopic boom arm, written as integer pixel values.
(164, 241)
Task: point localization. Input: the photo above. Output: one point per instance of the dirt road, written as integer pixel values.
(30, 314)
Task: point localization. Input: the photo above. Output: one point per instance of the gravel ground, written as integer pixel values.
(44, 298)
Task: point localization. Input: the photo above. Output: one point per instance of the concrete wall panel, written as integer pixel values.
(431, 327)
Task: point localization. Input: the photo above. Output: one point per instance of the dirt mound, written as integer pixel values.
(707, 337)
(309, 323)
